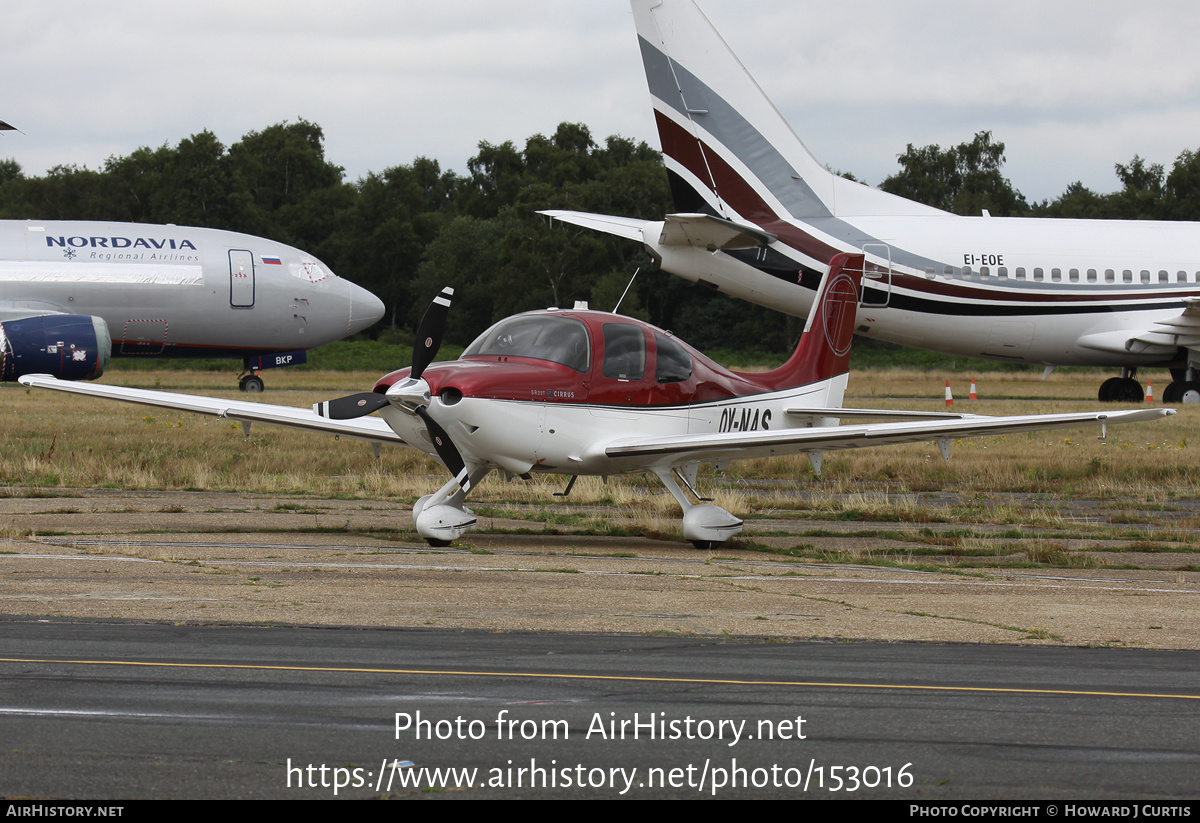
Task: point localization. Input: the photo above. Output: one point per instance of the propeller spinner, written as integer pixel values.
(412, 393)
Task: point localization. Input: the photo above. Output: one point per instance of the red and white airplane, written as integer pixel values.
(578, 392)
(760, 218)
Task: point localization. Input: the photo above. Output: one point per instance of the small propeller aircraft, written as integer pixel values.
(579, 392)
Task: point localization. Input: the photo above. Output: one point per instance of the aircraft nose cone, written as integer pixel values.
(365, 309)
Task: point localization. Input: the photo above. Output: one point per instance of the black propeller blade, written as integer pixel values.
(429, 340)
(430, 331)
(446, 450)
(351, 406)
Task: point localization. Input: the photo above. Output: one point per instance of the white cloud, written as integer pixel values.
(1070, 87)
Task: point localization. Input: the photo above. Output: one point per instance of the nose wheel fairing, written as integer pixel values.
(441, 518)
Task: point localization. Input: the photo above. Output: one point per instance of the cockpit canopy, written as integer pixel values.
(567, 341)
(538, 337)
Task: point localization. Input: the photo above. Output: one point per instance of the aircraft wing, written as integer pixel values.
(364, 428)
(1181, 330)
(703, 231)
(673, 451)
(20, 309)
(901, 414)
(627, 227)
(1163, 337)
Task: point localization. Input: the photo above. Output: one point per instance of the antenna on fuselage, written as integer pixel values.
(627, 288)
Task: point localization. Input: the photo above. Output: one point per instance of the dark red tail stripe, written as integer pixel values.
(691, 153)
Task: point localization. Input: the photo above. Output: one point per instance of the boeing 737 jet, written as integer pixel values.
(74, 294)
(759, 218)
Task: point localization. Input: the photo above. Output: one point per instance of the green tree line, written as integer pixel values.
(410, 229)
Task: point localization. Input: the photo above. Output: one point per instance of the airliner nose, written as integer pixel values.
(365, 309)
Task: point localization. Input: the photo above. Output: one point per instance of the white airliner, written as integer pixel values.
(74, 293)
(761, 218)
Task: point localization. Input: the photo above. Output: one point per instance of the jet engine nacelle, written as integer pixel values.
(67, 346)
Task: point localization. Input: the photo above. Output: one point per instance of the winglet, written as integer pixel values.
(824, 348)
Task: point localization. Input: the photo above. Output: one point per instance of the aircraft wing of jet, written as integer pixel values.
(1182, 330)
(365, 428)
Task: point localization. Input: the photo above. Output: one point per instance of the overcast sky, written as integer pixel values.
(1070, 87)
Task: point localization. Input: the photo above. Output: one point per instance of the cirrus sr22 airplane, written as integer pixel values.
(759, 218)
(578, 392)
(75, 293)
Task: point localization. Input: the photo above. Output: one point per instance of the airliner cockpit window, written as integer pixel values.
(541, 337)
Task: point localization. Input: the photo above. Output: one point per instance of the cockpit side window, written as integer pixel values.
(624, 351)
(673, 365)
(540, 337)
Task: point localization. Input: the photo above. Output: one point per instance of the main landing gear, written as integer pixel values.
(705, 525)
(1183, 388)
(1123, 389)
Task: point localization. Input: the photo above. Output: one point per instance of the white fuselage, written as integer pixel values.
(176, 291)
(521, 436)
(1055, 292)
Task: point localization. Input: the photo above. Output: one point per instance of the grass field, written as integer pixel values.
(1044, 487)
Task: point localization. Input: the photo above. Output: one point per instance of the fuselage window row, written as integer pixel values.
(1091, 276)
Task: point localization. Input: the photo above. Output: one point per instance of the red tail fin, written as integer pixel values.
(824, 348)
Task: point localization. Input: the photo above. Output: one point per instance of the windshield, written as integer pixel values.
(538, 337)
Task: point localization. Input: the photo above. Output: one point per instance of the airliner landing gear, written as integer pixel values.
(1123, 389)
(1184, 387)
(248, 380)
(251, 383)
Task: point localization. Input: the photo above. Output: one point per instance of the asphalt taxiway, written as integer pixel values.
(119, 709)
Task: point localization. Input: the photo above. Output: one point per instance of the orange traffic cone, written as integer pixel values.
(1149, 391)
(949, 396)
(973, 395)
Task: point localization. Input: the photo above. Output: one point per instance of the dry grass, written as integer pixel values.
(56, 441)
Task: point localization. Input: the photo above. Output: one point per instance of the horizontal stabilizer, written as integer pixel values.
(627, 227)
(707, 232)
(702, 231)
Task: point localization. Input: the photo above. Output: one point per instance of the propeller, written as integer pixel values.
(412, 390)
(430, 331)
(412, 393)
(355, 405)
(446, 450)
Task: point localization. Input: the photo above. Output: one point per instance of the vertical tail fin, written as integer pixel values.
(727, 149)
(824, 348)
